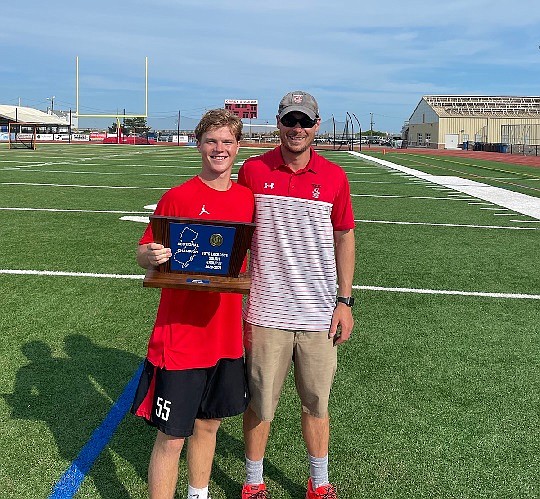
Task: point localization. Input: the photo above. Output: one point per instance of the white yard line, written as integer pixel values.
(449, 292)
(142, 216)
(407, 197)
(81, 186)
(66, 210)
(82, 172)
(429, 224)
(137, 277)
(54, 273)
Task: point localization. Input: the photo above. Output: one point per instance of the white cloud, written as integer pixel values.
(353, 56)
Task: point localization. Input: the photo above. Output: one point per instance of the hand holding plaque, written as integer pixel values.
(206, 254)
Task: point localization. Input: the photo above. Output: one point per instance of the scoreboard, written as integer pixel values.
(243, 108)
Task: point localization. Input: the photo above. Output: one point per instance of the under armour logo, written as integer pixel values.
(203, 211)
(269, 186)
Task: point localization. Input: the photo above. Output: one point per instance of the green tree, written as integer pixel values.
(134, 126)
(114, 127)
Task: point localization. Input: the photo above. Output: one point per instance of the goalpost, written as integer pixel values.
(22, 135)
(117, 117)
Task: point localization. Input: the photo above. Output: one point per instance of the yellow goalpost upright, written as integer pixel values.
(117, 116)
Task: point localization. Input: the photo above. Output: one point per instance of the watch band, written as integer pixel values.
(347, 300)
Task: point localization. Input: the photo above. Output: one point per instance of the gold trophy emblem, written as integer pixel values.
(216, 239)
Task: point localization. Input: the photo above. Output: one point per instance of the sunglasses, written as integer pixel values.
(289, 120)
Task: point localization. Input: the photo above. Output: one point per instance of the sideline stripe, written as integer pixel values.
(365, 288)
(72, 478)
(521, 203)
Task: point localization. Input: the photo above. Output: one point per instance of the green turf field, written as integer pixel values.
(437, 393)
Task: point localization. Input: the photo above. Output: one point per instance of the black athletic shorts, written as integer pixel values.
(172, 400)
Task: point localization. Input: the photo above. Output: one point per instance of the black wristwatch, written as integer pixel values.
(348, 300)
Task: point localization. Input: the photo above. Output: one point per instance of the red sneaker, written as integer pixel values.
(259, 491)
(327, 491)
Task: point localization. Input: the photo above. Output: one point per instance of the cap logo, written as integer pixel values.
(298, 98)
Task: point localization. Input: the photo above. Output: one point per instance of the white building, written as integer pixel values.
(447, 121)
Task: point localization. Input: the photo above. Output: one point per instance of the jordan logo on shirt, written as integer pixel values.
(316, 191)
(204, 211)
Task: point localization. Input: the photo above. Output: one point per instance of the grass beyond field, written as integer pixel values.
(436, 395)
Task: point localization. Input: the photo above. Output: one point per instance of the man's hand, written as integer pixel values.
(152, 255)
(342, 324)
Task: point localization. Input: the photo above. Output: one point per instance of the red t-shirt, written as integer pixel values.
(195, 329)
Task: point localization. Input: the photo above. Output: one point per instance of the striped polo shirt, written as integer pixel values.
(292, 254)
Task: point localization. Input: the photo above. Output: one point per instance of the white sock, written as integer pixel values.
(318, 469)
(194, 493)
(254, 471)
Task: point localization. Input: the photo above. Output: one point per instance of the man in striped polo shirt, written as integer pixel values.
(303, 245)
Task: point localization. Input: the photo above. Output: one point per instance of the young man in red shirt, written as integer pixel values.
(302, 249)
(194, 370)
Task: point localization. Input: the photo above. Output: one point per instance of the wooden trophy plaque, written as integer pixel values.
(207, 255)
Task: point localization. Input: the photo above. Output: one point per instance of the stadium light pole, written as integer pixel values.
(52, 102)
(359, 133)
(352, 131)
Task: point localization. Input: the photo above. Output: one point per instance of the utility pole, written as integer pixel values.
(371, 129)
(334, 128)
(178, 130)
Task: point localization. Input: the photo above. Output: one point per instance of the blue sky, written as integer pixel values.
(364, 58)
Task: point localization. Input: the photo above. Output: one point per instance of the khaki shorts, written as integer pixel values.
(269, 353)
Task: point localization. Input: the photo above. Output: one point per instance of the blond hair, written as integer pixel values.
(218, 118)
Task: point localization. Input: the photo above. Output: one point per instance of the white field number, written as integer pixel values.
(163, 408)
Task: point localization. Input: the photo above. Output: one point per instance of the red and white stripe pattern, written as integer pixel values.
(292, 264)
